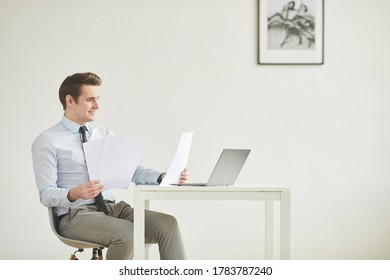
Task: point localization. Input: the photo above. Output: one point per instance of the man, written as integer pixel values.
(62, 180)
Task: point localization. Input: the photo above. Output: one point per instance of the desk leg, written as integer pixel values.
(146, 204)
(269, 230)
(139, 226)
(285, 224)
(147, 246)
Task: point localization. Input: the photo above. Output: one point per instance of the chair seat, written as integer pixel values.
(78, 244)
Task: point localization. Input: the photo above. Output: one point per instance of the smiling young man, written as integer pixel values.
(62, 179)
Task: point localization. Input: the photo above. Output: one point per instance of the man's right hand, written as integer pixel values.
(85, 191)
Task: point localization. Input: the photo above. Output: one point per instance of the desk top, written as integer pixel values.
(157, 188)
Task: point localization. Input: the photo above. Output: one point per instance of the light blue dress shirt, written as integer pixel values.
(59, 164)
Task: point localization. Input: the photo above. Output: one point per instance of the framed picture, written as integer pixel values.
(291, 32)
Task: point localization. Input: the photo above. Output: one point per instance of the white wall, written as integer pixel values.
(191, 65)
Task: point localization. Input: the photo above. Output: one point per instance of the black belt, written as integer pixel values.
(63, 215)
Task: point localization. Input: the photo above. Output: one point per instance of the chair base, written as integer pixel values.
(97, 254)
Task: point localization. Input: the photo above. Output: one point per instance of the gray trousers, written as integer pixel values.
(115, 230)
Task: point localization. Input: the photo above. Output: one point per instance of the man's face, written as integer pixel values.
(85, 109)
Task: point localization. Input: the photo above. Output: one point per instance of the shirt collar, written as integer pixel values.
(72, 126)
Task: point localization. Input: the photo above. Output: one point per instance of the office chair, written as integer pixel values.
(78, 244)
(97, 249)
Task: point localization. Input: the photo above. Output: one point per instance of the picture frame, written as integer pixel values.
(291, 32)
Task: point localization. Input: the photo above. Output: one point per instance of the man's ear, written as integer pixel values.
(69, 100)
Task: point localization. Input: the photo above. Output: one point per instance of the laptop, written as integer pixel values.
(226, 170)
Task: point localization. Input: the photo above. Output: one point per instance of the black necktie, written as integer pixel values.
(99, 198)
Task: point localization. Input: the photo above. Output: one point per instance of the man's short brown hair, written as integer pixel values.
(72, 84)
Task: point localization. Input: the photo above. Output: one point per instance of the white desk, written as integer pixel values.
(142, 195)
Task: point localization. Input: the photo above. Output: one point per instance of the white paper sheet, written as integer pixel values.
(180, 160)
(92, 152)
(113, 160)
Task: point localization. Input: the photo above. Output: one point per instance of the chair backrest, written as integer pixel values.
(53, 220)
(79, 244)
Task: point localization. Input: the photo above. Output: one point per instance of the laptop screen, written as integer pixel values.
(228, 166)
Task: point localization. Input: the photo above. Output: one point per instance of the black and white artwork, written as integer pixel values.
(291, 32)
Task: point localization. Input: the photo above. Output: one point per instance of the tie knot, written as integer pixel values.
(82, 130)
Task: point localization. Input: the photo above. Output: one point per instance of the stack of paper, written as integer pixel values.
(113, 160)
